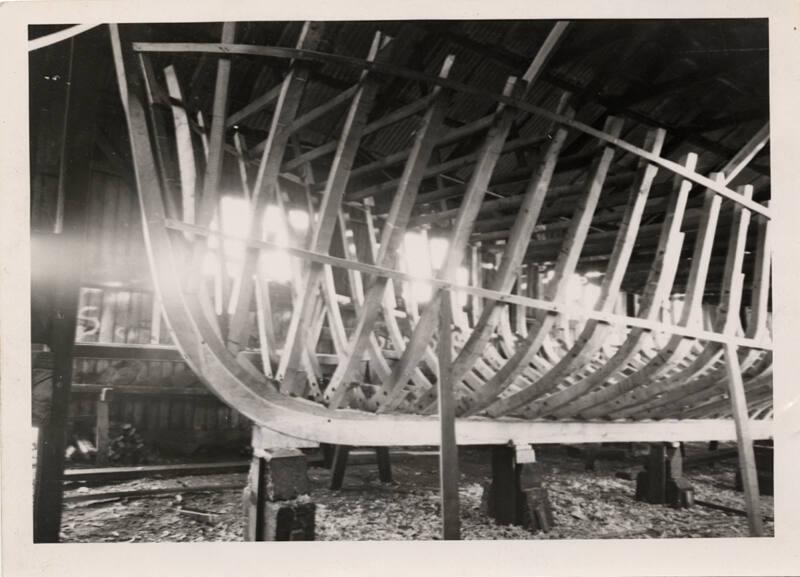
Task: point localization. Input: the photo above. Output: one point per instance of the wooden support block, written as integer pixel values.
(289, 521)
(657, 474)
(384, 464)
(102, 427)
(517, 495)
(503, 492)
(662, 481)
(275, 499)
(339, 465)
(284, 474)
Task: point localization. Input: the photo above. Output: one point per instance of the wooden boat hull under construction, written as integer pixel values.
(516, 365)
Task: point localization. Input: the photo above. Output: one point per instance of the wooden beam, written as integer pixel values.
(509, 100)
(448, 449)
(89, 63)
(747, 153)
(185, 148)
(744, 441)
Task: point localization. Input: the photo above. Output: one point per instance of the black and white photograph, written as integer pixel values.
(486, 278)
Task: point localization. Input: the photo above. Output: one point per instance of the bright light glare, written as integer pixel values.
(274, 225)
(462, 278)
(438, 251)
(418, 261)
(298, 220)
(582, 293)
(277, 263)
(235, 213)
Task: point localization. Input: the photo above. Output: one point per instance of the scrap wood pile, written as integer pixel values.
(586, 505)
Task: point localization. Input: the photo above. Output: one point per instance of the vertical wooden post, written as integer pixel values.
(657, 473)
(448, 449)
(384, 464)
(340, 456)
(102, 427)
(89, 64)
(747, 459)
(504, 490)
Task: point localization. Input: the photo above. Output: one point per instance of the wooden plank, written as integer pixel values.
(88, 64)
(185, 148)
(448, 449)
(746, 154)
(112, 474)
(572, 245)
(391, 240)
(509, 100)
(293, 379)
(744, 440)
(255, 106)
(592, 336)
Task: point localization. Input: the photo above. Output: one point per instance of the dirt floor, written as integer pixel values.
(587, 505)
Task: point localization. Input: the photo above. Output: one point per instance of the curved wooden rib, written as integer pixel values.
(572, 244)
(677, 348)
(391, 392)
(593, 335)
(391, 240)
(659, 284)
(514, 252)
(242, 386)
(294, 380)
(708, 365)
